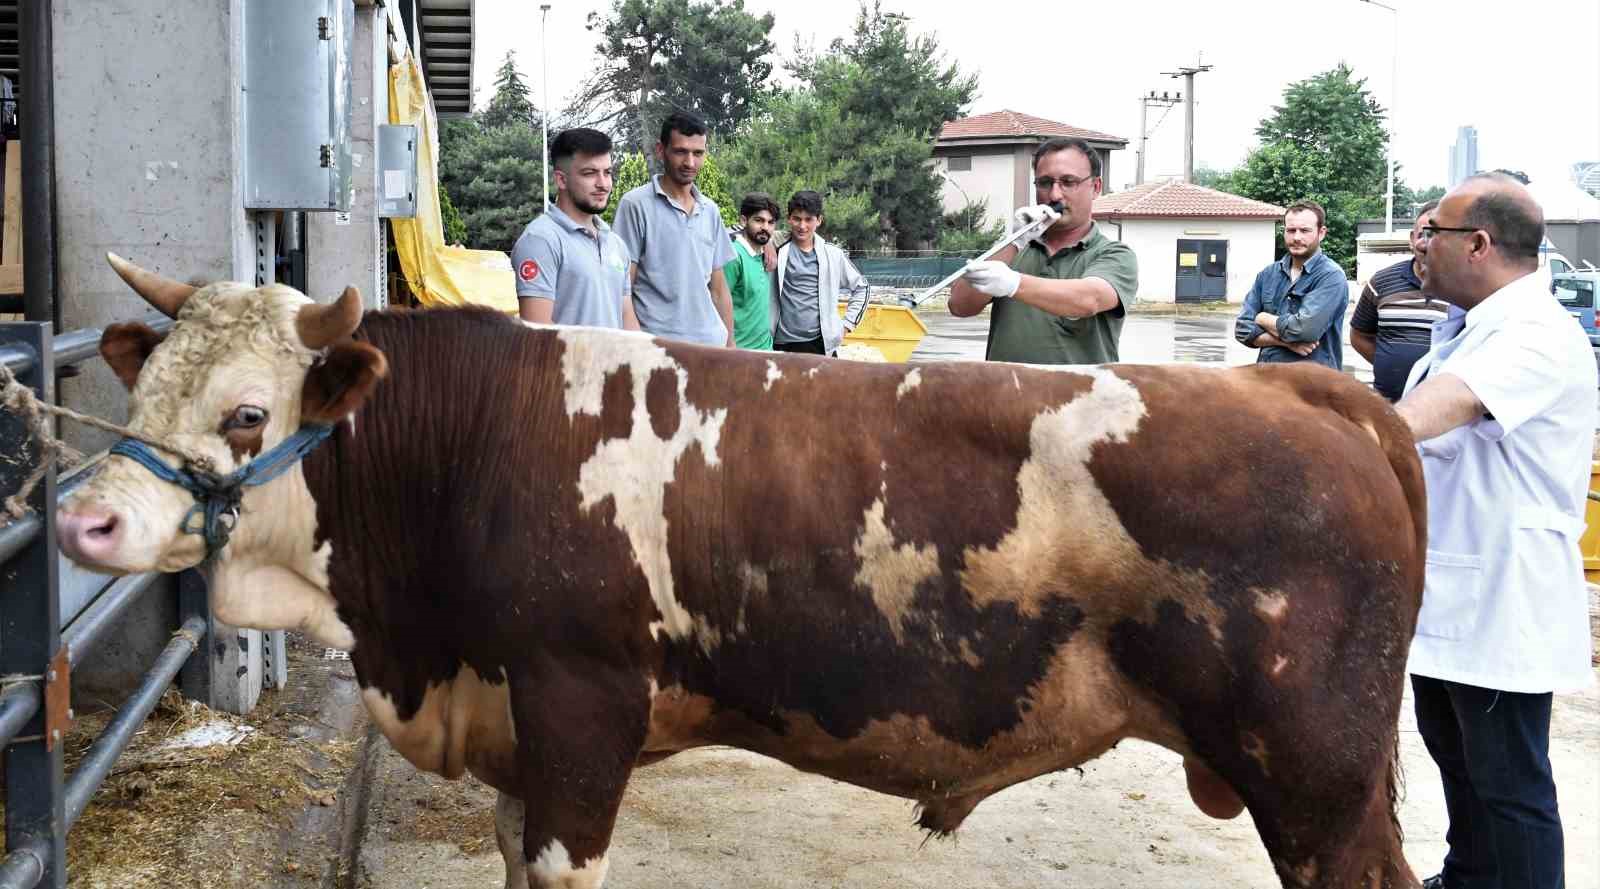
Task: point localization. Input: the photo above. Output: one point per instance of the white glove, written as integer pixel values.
(993, 279)
(1026, 216)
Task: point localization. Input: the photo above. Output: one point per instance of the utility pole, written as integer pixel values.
(1144, 130)
(1188, 74)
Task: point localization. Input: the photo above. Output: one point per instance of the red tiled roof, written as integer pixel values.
(1016, 125)
(1180, 199)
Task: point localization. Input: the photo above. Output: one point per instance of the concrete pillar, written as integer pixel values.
(147, 161)
(347, 249)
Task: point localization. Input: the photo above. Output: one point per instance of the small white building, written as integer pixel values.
(1194, 244)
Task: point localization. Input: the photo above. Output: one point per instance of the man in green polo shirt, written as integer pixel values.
(747, 276)
(1060, 299)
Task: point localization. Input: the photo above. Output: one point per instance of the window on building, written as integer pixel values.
(958, 163)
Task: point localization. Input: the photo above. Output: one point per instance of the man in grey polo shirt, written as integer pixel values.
(678, 243)
(570, 267)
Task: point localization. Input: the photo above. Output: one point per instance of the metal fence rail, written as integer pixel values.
(37, 654)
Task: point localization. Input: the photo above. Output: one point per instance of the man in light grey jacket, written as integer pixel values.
(811, 276)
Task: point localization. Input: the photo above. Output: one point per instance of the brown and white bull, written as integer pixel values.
(558, 554)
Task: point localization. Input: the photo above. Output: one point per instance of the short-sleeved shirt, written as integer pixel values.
(1394, 311)
(1505, 606)
(584, 272)
(1020, 332)
(751, 287)
(676, 250)
(799, 318)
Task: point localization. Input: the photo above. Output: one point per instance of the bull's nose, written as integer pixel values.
(88, 535)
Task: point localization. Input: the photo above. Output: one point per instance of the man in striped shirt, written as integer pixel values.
(1393, 321)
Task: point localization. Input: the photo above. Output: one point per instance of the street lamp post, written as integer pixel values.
(1394, 103)
(544, 113)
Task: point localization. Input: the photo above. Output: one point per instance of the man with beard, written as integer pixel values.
(570, 267)
(1295, 309)
(747, 276)
(1062, 298)
(679, 247)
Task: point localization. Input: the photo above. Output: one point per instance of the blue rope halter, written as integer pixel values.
(217, 497)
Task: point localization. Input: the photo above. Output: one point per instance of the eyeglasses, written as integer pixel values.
(1067, 183)
(1427, 232)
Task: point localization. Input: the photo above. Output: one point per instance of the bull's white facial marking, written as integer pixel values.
(509, 817)
(634, 472)
(773, 375)
(891, 572)
(553, 869)
(911, 381)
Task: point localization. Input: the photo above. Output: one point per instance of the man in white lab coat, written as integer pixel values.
(1503, 410)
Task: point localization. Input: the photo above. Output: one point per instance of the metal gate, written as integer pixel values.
(1202, 271)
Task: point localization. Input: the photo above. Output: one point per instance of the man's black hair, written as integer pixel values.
(1515, 225)
(805, 202)
(684, 124)
(1062, 143)
(755, 202)
(576, 141)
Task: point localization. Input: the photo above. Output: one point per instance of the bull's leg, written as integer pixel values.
(1325, 811)
(508, 835)
(579, 731)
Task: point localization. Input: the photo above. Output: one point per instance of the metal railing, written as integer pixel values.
(38, 653)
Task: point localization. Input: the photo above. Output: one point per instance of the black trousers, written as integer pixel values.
(809, 347)
(1493, 752)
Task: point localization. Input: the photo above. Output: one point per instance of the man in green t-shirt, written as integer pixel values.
(747, 274)
(1060, 299)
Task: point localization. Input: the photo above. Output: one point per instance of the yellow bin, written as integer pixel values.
(893, 330)
(1590, 542)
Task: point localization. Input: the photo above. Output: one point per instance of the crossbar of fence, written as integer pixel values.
(41, 802)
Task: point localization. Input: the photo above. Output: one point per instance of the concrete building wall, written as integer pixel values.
(992, 178)
(1155, 242)
(147, 147)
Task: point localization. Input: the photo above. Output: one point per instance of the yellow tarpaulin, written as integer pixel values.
(439, 274)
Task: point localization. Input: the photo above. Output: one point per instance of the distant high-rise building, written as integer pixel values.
(1463, 155)
(1587, 175)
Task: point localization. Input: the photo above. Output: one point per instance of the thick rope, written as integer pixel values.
(20, 400)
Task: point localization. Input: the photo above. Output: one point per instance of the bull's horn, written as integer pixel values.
(320, 326)
(165, 294)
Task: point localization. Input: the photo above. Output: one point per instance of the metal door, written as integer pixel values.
(1189, 286)
(1213, 269)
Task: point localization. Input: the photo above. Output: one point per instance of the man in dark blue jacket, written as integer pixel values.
(1295, 311)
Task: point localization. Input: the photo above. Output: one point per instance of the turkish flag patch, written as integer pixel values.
(528, 270)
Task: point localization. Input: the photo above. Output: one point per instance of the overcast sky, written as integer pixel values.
(1525, 73)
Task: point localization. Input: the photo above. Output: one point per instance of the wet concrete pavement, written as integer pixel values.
(1205, 337)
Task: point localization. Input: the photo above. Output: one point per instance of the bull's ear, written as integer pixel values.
(126, 346)
(340, 382)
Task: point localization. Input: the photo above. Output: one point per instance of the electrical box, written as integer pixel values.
(297, 104)
(397, 170)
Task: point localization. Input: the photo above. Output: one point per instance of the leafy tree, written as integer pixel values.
(629, 171)
(705, 56)
(495, 177)
(892, 92)
(793, 146)
(1211, 177)
(963, 231)
(455, 230)
(1326, 143)
(512, 104)
(714, 185)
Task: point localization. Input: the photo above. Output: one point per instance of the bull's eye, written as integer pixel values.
(246, 416)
